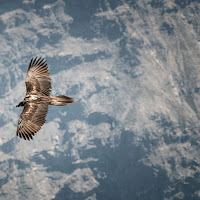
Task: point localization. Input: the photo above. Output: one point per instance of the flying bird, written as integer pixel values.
(37, 99)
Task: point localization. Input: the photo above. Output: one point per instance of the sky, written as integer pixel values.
(133, 68)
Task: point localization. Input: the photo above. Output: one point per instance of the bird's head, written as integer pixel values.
(20, 104)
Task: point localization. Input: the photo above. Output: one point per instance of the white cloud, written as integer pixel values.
(156, 88)
(28, 1)
(82, 180)
(93, 197)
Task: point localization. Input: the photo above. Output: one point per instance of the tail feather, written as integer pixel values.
(61, 100)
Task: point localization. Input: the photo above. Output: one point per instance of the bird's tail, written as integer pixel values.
(61, 100)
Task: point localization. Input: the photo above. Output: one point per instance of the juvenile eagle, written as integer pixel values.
(37, 99)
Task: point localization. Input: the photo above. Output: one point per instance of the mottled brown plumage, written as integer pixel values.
(37, 99)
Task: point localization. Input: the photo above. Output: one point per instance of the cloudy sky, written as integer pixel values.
(133, 68)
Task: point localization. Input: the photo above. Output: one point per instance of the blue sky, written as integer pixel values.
(133, 70)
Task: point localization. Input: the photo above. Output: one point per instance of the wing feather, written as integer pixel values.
(38, 77)
(31, 119)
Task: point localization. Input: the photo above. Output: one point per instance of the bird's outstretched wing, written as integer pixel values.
(31, 119)
(38, 77)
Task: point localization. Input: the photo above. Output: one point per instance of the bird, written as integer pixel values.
(37, 99)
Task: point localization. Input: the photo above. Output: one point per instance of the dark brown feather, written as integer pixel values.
(31, 119)
(38, 77)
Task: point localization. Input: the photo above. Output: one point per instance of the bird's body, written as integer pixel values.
(37, 99)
